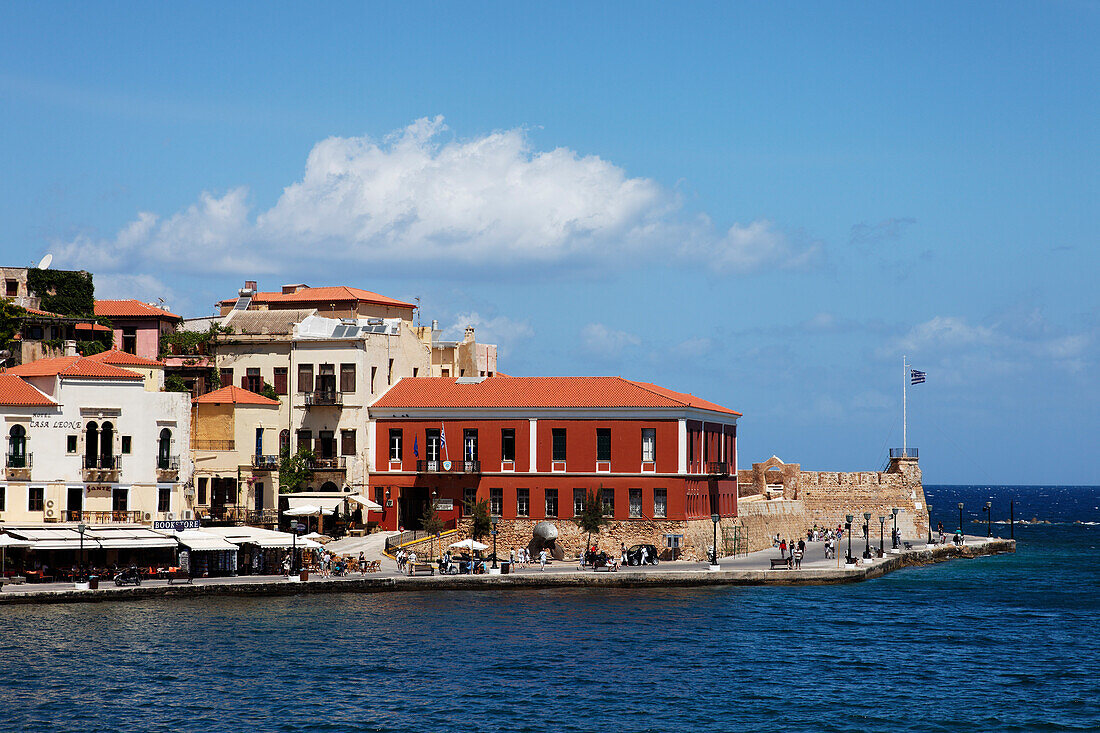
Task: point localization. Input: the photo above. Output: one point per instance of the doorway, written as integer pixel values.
(74, 505)
(411, 506)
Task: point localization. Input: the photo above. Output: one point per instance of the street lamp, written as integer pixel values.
(435, 496)
(988, 519)
(494, 533)
(82, 528)
(881, 529)
(960, 517)
(894, 534)
(867, 535)
(714, 556)
(848, 531)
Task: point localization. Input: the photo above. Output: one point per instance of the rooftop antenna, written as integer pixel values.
(45, 263)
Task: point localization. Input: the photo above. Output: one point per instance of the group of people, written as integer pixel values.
(328, 564)
(522, 558)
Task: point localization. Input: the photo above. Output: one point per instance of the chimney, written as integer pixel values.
(70, 348)
(469, 334)
(250, 285)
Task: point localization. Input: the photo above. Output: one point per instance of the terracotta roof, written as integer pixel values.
(121, 358)
(334, 294)
(132, 309)
(91, 327)
(40, 312)
(235, 396)
(71, 366)
(538, 392)
(14, 392)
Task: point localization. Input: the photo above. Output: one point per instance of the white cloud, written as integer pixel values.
(145, 288)
(599, 340)
(416, 200)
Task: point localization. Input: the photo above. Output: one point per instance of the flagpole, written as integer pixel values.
(904, 417)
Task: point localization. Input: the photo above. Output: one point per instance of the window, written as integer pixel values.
(326, 444)
(395, 444)
(347, 377)
(649, 444)
(432, 444)
(608, 498)
(91, 445)
(636, 503)
(523, 502)
(35, 498)
(305, 439)
(347, 442)
(11, 288)
(557, 436)
(227, 377)
(71, 443)
(164, 449)
(127, 444)
(202, 491)
(389, 373)
(496, 502)
(129, 340)
(672, 541)
(252, 381)
(35, 333)
(284, 442)
(469, 498)
(551, 502)
(280, 380)
(660, 503)
(164, 500)
(120, 500)
(469, 444)
(305, 377)
(416, 372)
(508, 444)
(3, 498)
(578, 502)
(17, 447)
(379, 496)
(373, 374)
(326, 379)
(603, 444)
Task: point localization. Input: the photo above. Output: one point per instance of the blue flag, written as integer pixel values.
(416, 447)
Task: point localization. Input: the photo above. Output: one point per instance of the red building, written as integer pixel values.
(533, 446)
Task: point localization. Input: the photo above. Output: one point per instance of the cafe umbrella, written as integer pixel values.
(305, 510)
(470, 544)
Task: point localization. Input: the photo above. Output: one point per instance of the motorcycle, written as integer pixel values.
(129, 576)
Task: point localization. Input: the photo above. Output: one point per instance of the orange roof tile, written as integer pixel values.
(233, 395)
(71, 366)
(40, 312)
(91, 327)
(334, 294)
(121, 358)
(539, 392)
(14, 392)
(131, 309)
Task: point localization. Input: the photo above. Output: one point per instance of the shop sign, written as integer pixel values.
(99, 489)
(444, 505)
(178, 525)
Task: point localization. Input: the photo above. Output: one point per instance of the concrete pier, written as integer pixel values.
(753, 569)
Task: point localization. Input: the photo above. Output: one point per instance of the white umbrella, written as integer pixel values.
(470, 544)
(306, 510)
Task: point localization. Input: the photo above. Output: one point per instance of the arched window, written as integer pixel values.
(17, 447)
(91, 445)
(107, 446)
(164, 449)
(329, 486)
(284, 442)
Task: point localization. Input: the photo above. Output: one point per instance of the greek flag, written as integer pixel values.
(916, 377)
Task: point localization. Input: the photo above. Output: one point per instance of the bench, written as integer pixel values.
(179, 577)
(780, 562)
(421, 567)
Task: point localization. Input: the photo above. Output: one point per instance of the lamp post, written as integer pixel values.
(894, 534)
(848, 531)
(881, 530)
(435, 496)
(867, 535)
(82, 528)
(494, 533)
(988, 518)
(714, 555)
(960, 516)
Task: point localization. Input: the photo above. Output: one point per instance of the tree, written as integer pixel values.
(591, 517)
(11, 317)
(295, 470)
(175, 383)
(269, 392)
(431, 523)
(481, 524)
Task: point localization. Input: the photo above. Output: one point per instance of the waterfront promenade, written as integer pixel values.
(753, 569)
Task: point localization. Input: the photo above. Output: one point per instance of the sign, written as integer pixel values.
(444, 505)
(99, 489)
(446, 465)
(185, 561)
(178, 525)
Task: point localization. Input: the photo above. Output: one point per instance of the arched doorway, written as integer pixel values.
(91, 445)
(17, 447)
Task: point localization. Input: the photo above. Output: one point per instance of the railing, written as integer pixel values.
(106, 463)
(265, 463)
(262, 516)
(224, 513)
(103, 517)
(718, 468)
(413, 535)
(323, 397)
(168, 463)
(456, 467)
(20, 460)
(904, 453)
(328, 464)
(212, 444)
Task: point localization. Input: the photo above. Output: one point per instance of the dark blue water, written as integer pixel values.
(1006, 643)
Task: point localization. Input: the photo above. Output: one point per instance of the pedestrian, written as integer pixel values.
(801, 544)
(362, 563)
(286, 565)
(783, 549)
(645, 555)
(542, 559)
(622, 553)
(512, 557)
(798, 558)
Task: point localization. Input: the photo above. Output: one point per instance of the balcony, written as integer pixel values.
(19, 466)
(324, 398)
(231, 514)
(265, 463)
(718, 468)
(336, 463)
(448, 466)
(904, 453)
(102, 468)
(168, 468)
(102, 517)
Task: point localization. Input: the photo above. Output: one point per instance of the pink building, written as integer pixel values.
(138, 326)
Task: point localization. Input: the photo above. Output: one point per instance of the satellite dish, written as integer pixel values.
(45, 263)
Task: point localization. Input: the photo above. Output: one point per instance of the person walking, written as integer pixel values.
(798, 558)
(362, 563)
(542, 559)
(622, 553)
(783, 549)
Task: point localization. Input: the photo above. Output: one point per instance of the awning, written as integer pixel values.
(197, 540)
(327, 504)
(369, 505)
(96, 536)
(266, 538)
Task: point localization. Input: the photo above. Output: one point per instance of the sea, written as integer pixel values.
(1005, 643)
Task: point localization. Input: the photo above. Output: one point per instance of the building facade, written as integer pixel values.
(662, 463)
(138, 326)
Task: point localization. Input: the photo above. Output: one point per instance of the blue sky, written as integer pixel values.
(763, 204)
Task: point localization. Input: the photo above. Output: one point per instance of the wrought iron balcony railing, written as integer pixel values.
(448, 466)
(324, 397)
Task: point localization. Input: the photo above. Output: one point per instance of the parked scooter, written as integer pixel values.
(129, 576)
